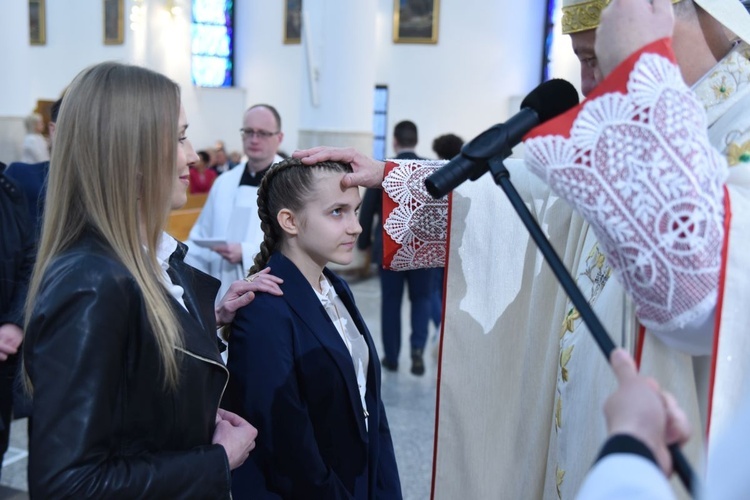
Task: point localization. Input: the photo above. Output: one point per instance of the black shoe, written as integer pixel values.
(417, 362)
(388, 365)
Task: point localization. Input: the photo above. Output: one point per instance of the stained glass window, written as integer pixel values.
(213, 43)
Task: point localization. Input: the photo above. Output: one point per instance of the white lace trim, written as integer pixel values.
(640, 169)
(419, 223)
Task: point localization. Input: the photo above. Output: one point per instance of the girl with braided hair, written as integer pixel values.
(303, 365)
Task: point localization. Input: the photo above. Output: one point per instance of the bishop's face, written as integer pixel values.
(583, 46)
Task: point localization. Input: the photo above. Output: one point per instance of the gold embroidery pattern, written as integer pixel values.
(597, 272)
(721, 91)
(560, 479)
(725, 83)
(565, 356)
(738, 153)
(584, 16)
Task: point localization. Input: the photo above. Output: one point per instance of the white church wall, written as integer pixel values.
(486, 53)
(269, 71)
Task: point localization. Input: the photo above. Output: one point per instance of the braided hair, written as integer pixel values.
(288, 184)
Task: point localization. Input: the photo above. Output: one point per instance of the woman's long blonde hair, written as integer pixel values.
(112, 171)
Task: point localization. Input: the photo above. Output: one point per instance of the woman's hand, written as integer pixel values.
(367, 172)
(242, 292)
(11, 337)
(236, 435)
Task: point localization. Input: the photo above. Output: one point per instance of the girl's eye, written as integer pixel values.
(183, 138)
(336, 211)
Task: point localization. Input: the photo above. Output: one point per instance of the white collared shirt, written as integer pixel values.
(167, 246)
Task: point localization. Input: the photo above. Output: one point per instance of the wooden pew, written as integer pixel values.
(181, 221)
(195, 201)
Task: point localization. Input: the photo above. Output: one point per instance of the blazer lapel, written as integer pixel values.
(302, 299)
(373, 373)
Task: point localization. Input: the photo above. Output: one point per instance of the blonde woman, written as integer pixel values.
(120, 347)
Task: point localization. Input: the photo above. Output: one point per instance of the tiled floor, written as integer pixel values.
(409, 402)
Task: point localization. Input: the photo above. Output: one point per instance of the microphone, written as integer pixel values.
(545, 102)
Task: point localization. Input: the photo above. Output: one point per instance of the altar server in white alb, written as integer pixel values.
(647, 182)
(227, 235)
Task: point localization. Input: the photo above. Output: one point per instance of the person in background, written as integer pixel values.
(235, 157)
(16, 262)
(228, 226)
(34, 148)
(420, 281)
(303, 366)
(221, 163)
(120, 349)
(201, 177)
(32, 178)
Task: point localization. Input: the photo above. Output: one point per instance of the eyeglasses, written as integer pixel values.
(260, 134)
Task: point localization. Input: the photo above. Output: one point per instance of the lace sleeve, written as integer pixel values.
(639, 167)
(414, 223)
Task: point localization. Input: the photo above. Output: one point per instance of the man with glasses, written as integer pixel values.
(227, 234)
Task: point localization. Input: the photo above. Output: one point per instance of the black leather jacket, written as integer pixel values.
(104, 425)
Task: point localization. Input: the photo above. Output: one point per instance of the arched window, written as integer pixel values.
(213, 43)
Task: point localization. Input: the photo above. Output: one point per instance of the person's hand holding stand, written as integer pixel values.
(367, 172)
(236, 435)
(640, 409)
(628, 25)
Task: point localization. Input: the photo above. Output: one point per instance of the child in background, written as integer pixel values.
(303, 366)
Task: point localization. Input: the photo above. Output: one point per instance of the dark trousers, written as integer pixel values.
(7, 378)
(436, 303)
(420, 285)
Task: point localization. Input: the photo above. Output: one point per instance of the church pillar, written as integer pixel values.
(338, 43)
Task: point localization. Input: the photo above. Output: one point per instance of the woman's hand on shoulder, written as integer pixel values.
(242, 292)
(236, 435)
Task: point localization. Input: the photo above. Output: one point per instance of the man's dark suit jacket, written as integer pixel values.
(32, 179)
(292, 377)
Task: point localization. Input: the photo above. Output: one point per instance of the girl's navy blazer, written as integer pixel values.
(292, 377)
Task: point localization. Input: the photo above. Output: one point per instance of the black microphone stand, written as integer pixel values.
(502, 178)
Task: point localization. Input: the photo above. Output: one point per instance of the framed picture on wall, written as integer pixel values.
(415, 21)
(114, 22)
(292, 21)
(37, 23)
